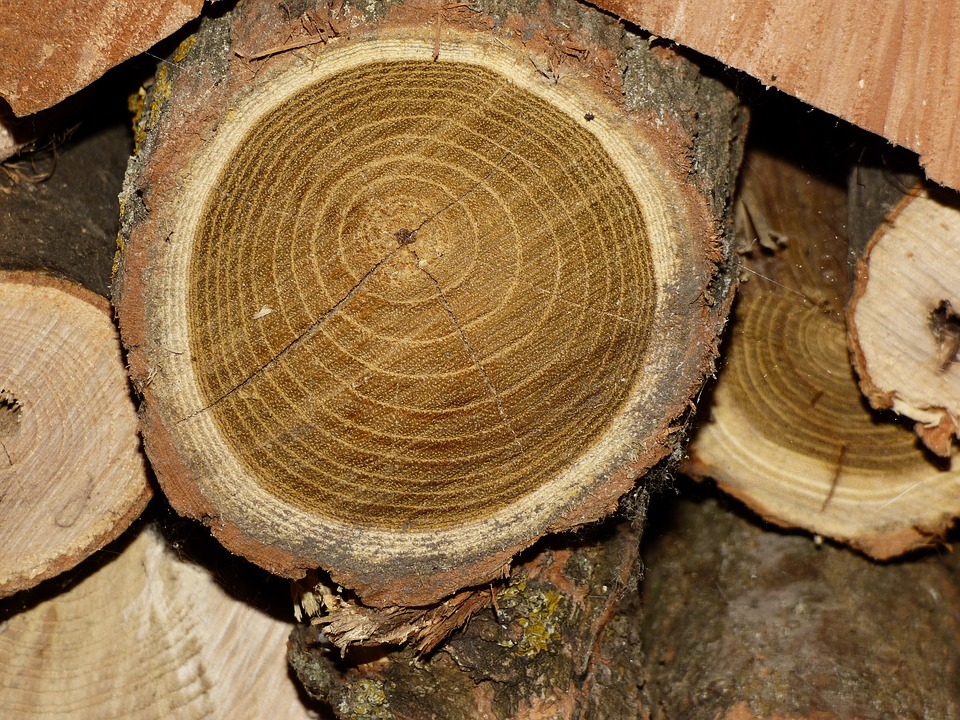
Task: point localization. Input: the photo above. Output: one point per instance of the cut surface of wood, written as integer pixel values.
(788, 435)
(408, 302)
(71, 469)
(904, 325)
(891, 71)
(788, 431)
(147, 636)
(53, 48)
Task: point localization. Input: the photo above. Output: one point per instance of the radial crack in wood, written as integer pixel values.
(489, 298)
(903, 324)
(72, 477)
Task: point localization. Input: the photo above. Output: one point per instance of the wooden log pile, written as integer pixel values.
(417, 302)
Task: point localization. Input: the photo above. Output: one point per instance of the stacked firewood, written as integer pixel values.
(805, 573)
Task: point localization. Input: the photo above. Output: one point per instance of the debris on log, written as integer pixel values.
(145, 634)
(558, 640)
(439, 282)
(788, 432)
(904, 317)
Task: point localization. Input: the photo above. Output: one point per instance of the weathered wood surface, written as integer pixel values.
(891, 69)
(58, 206)
(421, 359)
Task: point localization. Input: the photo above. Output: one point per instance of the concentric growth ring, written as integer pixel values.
(417, 291)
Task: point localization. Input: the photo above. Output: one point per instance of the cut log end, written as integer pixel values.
(789, 436)
(903, 321)
(431, 352)
(398, 317)
(147, 613)
(789, 433)
(72, 474)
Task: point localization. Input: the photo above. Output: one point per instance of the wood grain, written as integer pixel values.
(891, 68)
(384, 314)
(788, 431)
(72, 473)
(148, 636)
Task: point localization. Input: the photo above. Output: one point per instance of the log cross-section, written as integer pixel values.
(402, 305)
(72, 476)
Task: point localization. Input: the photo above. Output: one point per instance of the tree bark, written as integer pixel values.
(463, 300)
(740, 622)
(557, 641)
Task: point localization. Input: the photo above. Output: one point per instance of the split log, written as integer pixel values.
(405, 291)
(742, 623)
(70, 461)
(889, 71)
(53, 48)
(146, 634)
(903, 321)
(788, 433)
(559, 640)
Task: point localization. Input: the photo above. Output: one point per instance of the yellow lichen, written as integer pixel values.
(163, 83)
(135, 105)
(366, 700)
(535, 613)
(119, 251)
(183, 49)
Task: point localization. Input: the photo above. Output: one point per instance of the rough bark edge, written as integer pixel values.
(552, 642)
